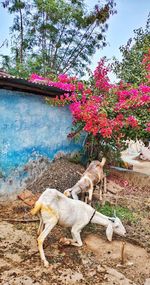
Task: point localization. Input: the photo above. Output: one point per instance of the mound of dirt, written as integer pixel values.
(61, 174)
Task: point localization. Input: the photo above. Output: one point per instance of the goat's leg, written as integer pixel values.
(41, 226)
(105, 186)
(104, 190)
(48, 227)
(76, 239)
(74, 195)
(75, 232)
(86, 197)
(100, 195)
(66, 241)
(90, 195)
(83, 196)
(101, 191)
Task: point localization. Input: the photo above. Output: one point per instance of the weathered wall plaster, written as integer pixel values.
(30, 133)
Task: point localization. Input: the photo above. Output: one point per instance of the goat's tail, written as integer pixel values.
(103, 161)
(36, 208)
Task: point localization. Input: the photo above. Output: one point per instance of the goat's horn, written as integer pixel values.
(114, 214)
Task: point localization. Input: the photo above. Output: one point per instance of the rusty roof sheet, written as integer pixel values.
(11, 82)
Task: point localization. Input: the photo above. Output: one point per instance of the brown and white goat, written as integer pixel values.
(90, 178)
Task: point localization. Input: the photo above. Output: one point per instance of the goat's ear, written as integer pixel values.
(109, 232)
(67, 192)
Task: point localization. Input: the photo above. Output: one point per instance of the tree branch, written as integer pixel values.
(77, 46)
(3, 43)
(79, 50)
(57, 47)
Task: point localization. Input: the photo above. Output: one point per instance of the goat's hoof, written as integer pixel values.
(64, 241)
(67, 242)
(46, 263)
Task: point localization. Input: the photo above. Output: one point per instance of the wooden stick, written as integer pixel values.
(79, 173)
(122, 252)
(20, 221)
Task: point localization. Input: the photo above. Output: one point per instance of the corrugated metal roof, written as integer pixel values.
(11, 82)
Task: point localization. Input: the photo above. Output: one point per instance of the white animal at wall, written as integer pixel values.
(90, 178)
(55, 208)
(137, 149)
(134, 147)
(145, 153)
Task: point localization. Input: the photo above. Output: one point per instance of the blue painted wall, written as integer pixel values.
(29, 129)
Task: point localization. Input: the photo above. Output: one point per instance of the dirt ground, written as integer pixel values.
(98, 261)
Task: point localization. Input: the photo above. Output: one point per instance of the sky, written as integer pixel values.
(131, 14)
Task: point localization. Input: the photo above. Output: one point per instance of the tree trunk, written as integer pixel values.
(21, 37)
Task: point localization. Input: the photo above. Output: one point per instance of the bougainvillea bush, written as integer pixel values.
(108, 113)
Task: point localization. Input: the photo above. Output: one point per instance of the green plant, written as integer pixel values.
(56, 36)
(75, 158)
(122, 212)
(130, 68)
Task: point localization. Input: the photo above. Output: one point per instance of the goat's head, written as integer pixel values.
(67, 192)
(115, 225)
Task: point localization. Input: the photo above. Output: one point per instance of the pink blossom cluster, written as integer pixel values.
(148, 127)
(132, 121)
(59, 84)
(102, 108)
(101, 77)
(133, 98)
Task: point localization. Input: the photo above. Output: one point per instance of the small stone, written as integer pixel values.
(100, 269)
(129, 263)
(125, 265)
(92, 273)
(147, 281)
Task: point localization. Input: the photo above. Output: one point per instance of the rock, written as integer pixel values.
(100, 269)
(22, 280)
(147, 281)
(69, 276)
(92, 272)
(129, 263)
(28, 197)
(113, 188)
(115, 277)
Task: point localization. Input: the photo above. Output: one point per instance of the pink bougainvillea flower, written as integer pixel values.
(132, 121)
(105, 110)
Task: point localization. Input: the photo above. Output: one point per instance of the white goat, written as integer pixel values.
(145, 153)
(54, 207)
(90, 178)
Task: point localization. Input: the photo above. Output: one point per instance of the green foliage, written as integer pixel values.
(55, 35)
(96, 148)
(130, 68)
(75, 158)
(121, 212)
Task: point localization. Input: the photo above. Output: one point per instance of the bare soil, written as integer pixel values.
(98, 261)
